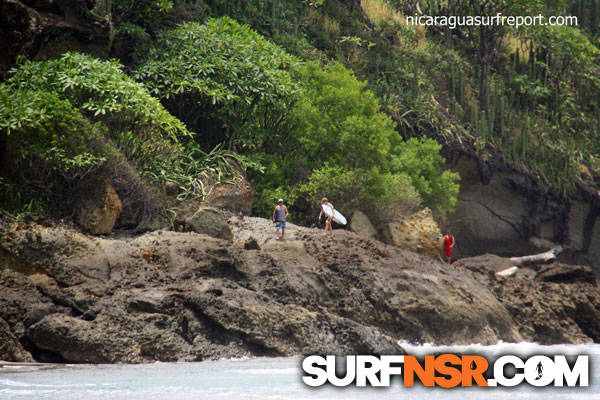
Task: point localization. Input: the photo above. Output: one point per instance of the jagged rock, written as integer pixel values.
(278, 327)
(563, 273)
(10, 348)
(504, 210)
(183, 211)
(142, 205)
(485, 263)
(489, 217)
(209, 221)
(578, 213)
(232, 197)
(97, 206)
(19, 26)
(361, 225)
(418, 232)
(551, 312)
(75, 340)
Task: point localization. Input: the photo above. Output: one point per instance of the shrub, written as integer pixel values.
(47, 144)
(143, 130)
(421, 161)
(59, 117)
(223, 79)
(338, 121)
(338, 144)
(380, 196)
(102, 91)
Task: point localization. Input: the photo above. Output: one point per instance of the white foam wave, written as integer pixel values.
(493, 351)
(12, 383)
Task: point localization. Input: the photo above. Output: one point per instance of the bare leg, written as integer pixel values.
(282, 233)
(277, 234)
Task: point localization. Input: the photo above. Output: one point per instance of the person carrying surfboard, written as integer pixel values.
(279, 216)
(448, 245)
(328, 221)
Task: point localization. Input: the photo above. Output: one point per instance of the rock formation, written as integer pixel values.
(507, 212)
(209, 221)
(168, 296)
(361, 225)
(97, 206)
(235, 197)
(418, 232)
(48, 28)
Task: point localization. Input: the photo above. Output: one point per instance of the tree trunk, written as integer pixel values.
(541, 258)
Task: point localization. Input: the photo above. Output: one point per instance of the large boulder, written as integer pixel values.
(361, 225)
(232, 197)
(418, 232)
(209, 221)
(97, 206)
(236, 197)
(76, 340)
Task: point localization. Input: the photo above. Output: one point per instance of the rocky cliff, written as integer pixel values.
(505, 211)
(67, 296)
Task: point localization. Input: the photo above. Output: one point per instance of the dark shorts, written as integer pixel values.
(280, 224)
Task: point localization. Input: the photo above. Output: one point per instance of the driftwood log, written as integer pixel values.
(540, 258)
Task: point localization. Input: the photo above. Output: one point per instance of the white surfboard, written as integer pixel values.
(337, 216)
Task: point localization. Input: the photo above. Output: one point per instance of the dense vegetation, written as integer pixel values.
(313, 129)
(529, 96)
(224, 80)
(59, 116)
(322, 97)
(64, 118)
(300, 121)
(338, 143)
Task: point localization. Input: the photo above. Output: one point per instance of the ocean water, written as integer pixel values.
(267, 378)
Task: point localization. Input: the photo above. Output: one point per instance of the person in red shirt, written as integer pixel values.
(448, 245)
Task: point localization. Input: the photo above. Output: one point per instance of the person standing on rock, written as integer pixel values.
(328, 221)
(279, 216)
(448, 245)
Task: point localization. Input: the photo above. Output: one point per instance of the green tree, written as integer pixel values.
(103, 93)
(223, 79)
(340, 145)
(47, 144)
(338, 119)
(421, 161)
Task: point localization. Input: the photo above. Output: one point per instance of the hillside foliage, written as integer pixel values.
(333, 97)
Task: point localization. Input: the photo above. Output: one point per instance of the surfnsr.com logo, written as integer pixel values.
(446, 370)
